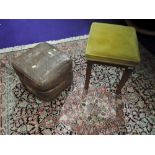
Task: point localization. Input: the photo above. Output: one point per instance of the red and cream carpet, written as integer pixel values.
(73, 112)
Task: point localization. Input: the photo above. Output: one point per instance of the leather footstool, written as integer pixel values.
(44, 71)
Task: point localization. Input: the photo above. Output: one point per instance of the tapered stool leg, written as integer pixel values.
(126, 74)
(88, 74)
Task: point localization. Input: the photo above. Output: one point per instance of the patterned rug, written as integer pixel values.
(73, 112)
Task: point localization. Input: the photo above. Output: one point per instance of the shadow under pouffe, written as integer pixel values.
(44, 71)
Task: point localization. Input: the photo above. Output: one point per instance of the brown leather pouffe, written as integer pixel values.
(44, 71)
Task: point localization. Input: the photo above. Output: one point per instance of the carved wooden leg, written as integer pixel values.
(126, 74)
(88, 74)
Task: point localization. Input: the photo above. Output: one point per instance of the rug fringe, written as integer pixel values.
(22, 47)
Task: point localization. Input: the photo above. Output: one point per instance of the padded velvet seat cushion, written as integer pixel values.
(113, 44)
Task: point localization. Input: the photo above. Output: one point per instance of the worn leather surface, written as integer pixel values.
(44, 70)
(53, 92)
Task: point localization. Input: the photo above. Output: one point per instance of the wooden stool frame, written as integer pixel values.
(126, 74)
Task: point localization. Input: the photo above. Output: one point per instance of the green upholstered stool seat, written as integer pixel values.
(113, 44)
